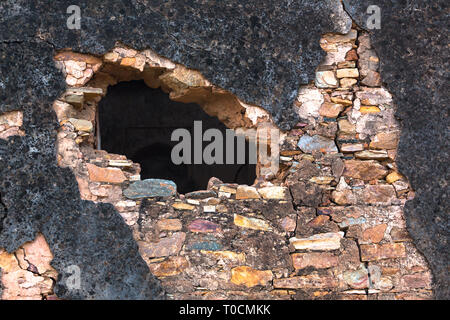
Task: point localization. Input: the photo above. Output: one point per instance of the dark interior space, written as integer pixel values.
(138, 121)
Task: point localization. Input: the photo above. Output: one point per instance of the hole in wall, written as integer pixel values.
(137, 121)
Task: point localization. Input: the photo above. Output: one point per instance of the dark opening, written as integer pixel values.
(138, 121)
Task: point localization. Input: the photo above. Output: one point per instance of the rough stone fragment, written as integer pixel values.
(373, 79)
(227, 189)
(369, 110)
(79, 59)
(346, 127)
(374, 252)
(306, 194)
(343, 197)
(288, 224)
(316, 143)
(400, 187)
(37, 254)
(351, 55)
(416, 281)
(326, 79)
(169, 224)
(318, 242)
(346, 64)
(329, 41)
(27, 274)
(14, 131)
(203, 194)
(128, 62)
(347, 73)
(164, 247)
(88, 93)
(364, 170)
(209, 209)
(204, 226)
(348, 82)
(209, 245)
(275, 192)
(63, 110)
(345, 102)
(318, 260)
(193, 201)
(227, 255)
(374, 234)
(75, 99)
(251, 223)
(372, 155)
(182, 206)
(379, 194)
(399, 235)
(348, 222)
(250, 277)
(305, 216)
(108, 175)
(171, 267)
(337, 54)
(82, 125)
(330, 110)
(351, 147)
(322, 180)
(374, 96)
(150, 188)
(358, 279)
(246, 192)
(75, 68)
(12, 119)
(312, 281)
(120, 163)
(393, 177)
(368, 59)
(112, 57)
(310, 100)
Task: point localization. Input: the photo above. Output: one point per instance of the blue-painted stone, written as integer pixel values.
(206, 245)
(150, 188)
(309, 144)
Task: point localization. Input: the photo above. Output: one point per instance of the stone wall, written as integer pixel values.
(330, 224)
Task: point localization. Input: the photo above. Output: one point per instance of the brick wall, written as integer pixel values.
(330, 224)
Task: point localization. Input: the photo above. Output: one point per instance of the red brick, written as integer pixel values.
(317, 260)
(374, 234)
(373, 252)
(108, 175)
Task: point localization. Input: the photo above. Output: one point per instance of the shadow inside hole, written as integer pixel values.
(138, 121)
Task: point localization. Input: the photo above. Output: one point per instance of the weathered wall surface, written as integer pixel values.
(329, 225)
(413, 48)
(33, 183)
(273, 46)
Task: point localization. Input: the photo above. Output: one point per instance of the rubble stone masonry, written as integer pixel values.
(328, 225)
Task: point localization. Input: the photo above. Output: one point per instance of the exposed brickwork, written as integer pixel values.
(329, 225)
